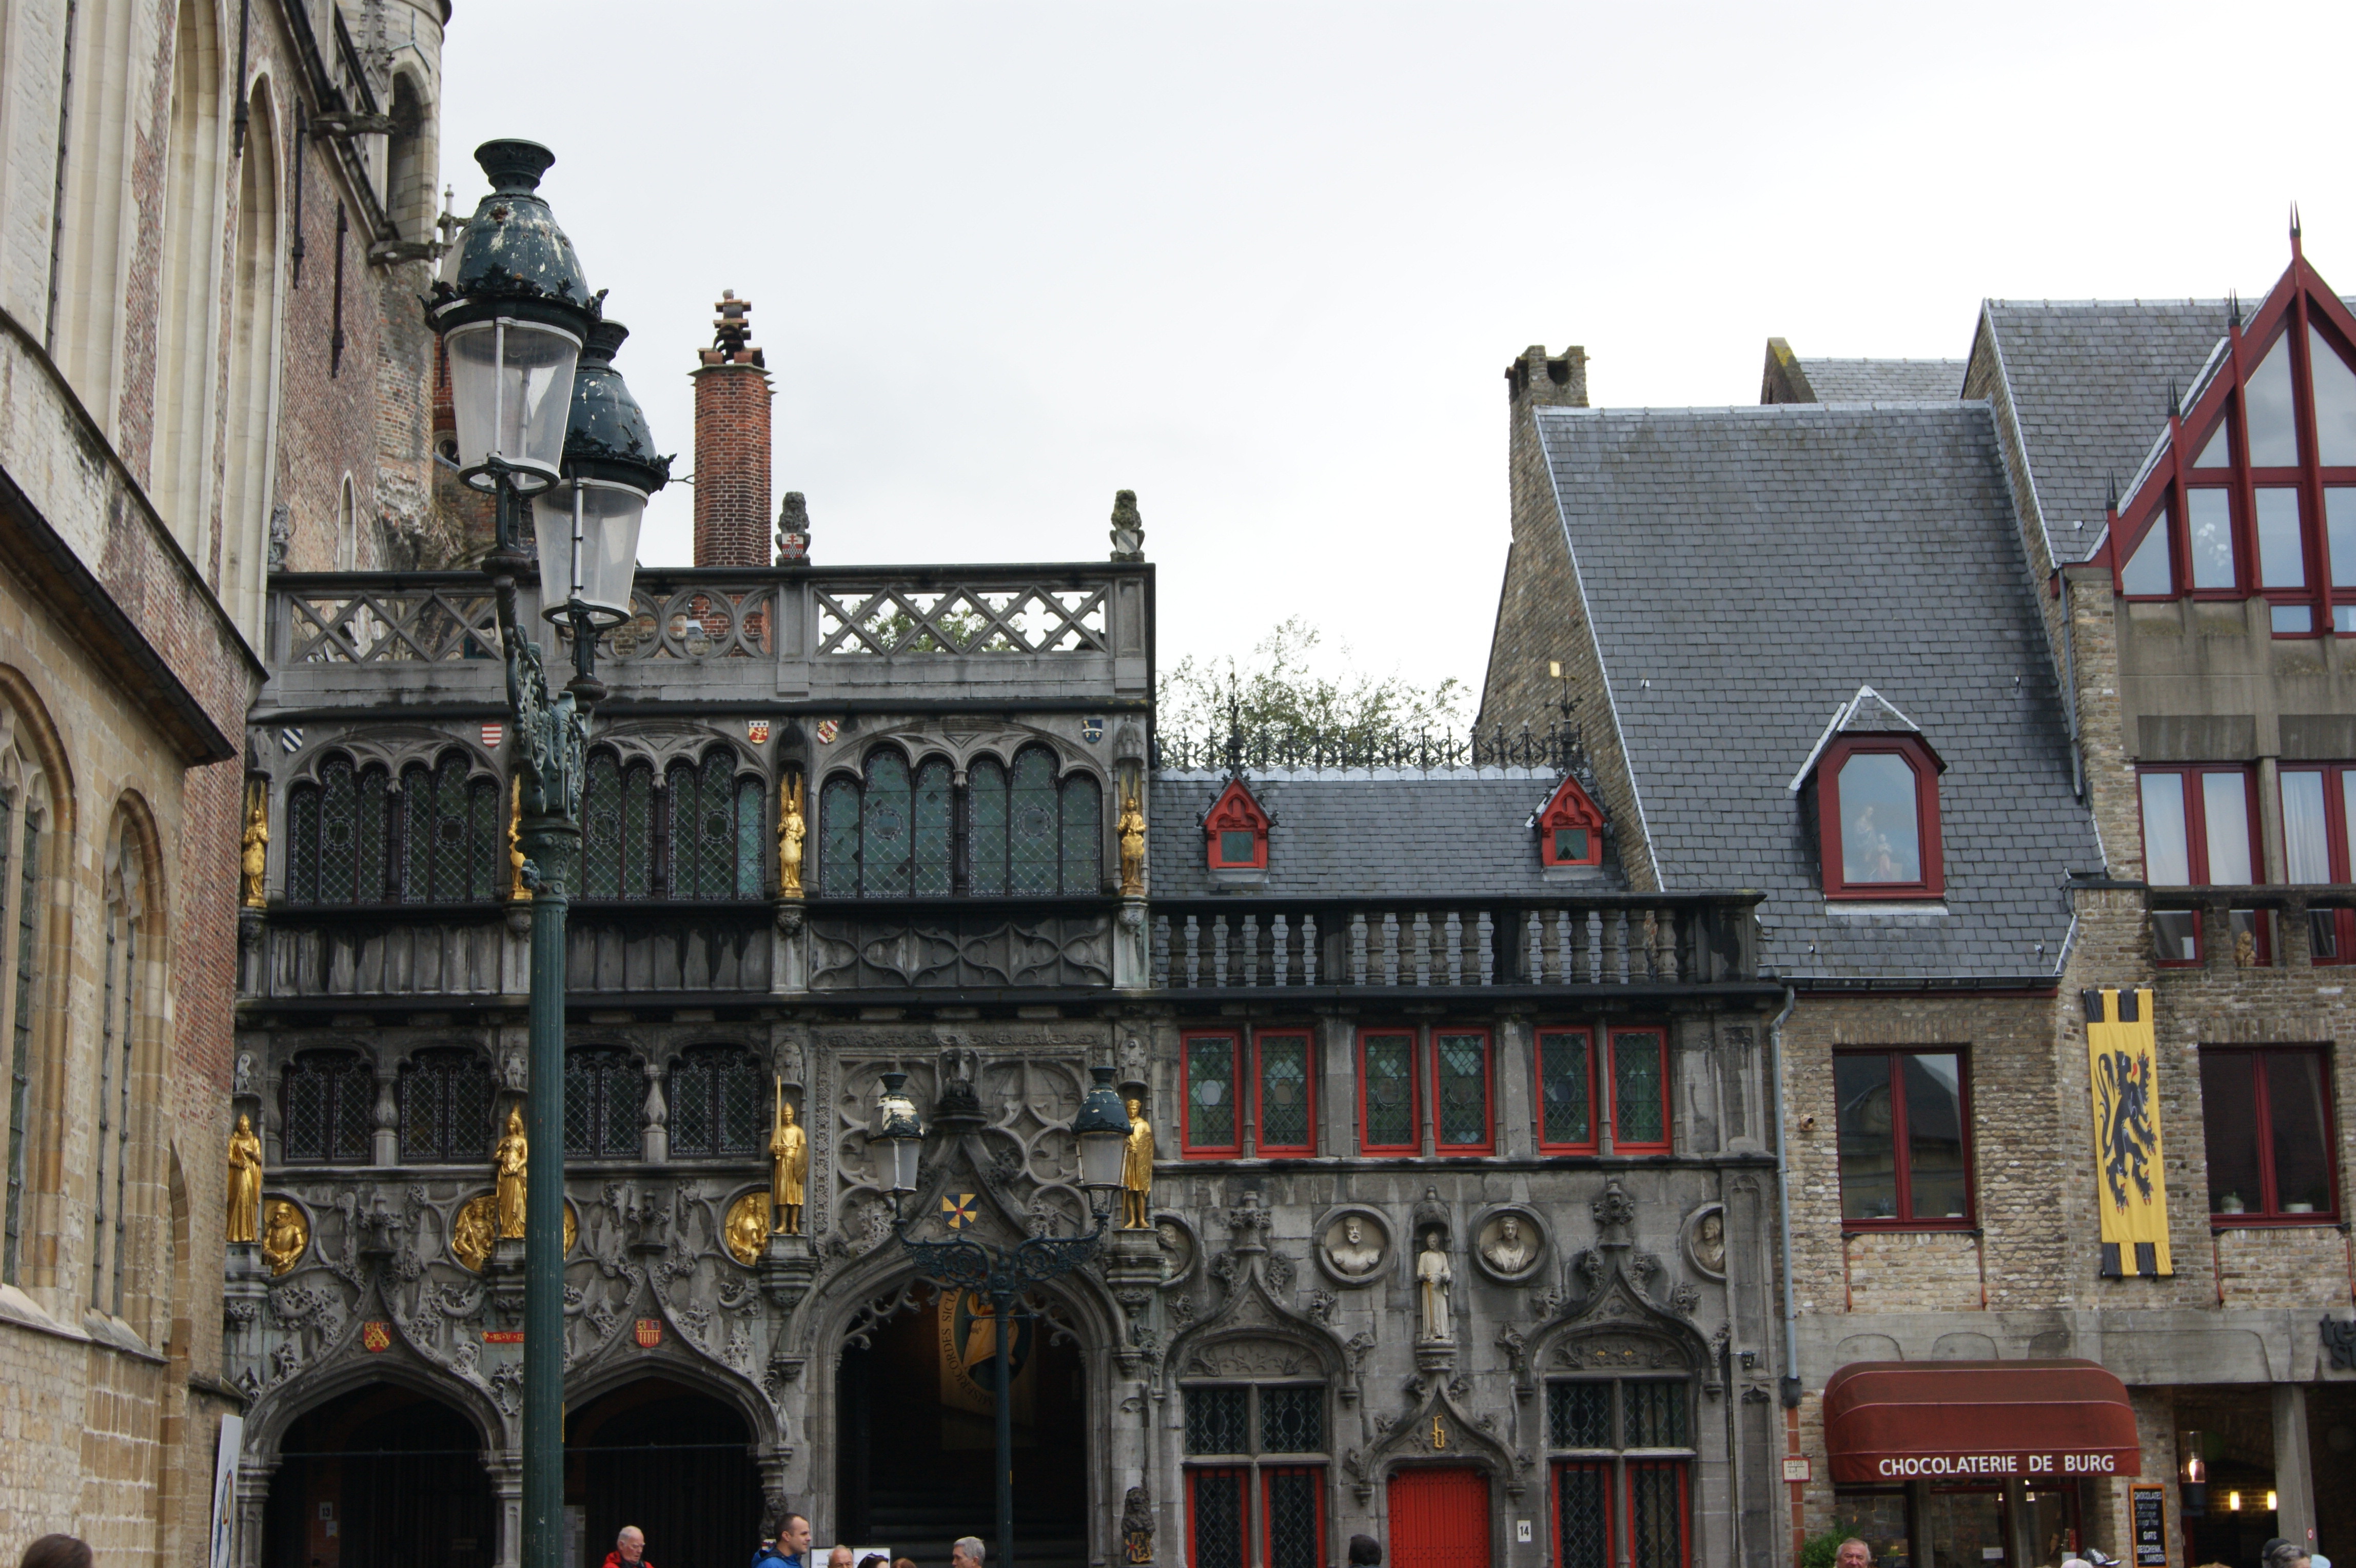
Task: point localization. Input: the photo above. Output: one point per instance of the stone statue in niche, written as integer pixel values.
(1177, 1247)
(1705, 1240)
(1507, 1244)
(1352, 1248)
(1435, 1277)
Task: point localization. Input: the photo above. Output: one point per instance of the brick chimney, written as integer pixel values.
(732, 442)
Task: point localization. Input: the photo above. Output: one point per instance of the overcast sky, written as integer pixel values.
(1265, 264)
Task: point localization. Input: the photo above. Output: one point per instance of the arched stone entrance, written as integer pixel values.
(381, 1476)
(914, 1396)
(670, 1459)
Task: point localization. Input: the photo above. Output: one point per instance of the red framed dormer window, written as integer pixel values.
(1570, 828)
(1237, 831)
(1877, 817)
(1464, 1092)
(1210, 1118)
(1388, 1106)
(1284, 1092)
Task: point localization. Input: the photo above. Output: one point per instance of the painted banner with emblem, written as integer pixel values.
(2131, 1189)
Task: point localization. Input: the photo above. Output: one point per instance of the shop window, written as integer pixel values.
(1256, 1472)
(325, 1099)
(1461, 1093)
(1880, 1517)
(1905, 1139)
(1633, 1067)
(2268, 1117)
(1236, 830)
(604, 1097)
(2318, 811)
(617, 829)
(2200, 828)
(1386, 1092)
(1877, 817)
(718, 848)
(722, 1103)
(1622, 1462)
(446, 1107)
(1570, 828)
(1209, 1125)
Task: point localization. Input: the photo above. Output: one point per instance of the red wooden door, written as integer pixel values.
(1439, 1519)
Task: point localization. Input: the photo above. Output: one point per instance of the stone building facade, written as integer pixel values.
(1948, 566)
(1461, 1186)
(214, 222)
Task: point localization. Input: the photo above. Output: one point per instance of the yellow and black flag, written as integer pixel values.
(2132, 1191)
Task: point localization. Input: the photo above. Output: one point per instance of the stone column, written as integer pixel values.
(385, 1115)
(505, 1467)
(1516, 1111)
(253, 1504)
(2294, 1477)
(654, 1126)
(1337, 1119)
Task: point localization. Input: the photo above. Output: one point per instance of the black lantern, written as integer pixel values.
(513, 309)
(588, 522)
(1102, 1131)
(902, 1133)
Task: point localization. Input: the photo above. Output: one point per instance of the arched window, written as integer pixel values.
(446, 1107)
(720, 1103)
(191, 240)
(618, 833)
(337, 836)
(323, 1104)
(347, 527)
(716, 845)
(454, 841)
(894, 832)
(25, 822)
(889, 836)
(605, 1094)
(1027, 833)
(118, 1021)
(252, 371)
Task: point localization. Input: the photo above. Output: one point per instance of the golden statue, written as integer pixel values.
(789, 1165)
(253, 852)
(792, 828)
(244, 1180)
(473, 1229)
(518, 890)
(1136, 1170)
(1133, 849)
(745, 1231)
(285, 1234)
(509, 1159)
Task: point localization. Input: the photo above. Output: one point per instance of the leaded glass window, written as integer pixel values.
(1295, 1501)
(1656, 1414)
(454, 839)
(1284, 1092)
(605, 1094)
(1656, 1515)
(1031, 824)
(324, 1100)
(1210, 1110)
(839, 829)
(446, 1107)
(337, 851)
(1218, 1421)
(707, 858)
(986, 811)
(1217, 1537)
(1566, 1090)
(1082, 806)
(932, 847)
(20, 1064)
(302, 845)
(618, 833)
(1386, 1083)
(1259, 1437)
(1579, 1415)
(752, 856)
(1292, 1420)
(1583, 1515)
(1029, 834)
(887, 824)
(1640, 1106)
(1460, 1091)
(720, 1103)
(1639, 1501)
(339, 836)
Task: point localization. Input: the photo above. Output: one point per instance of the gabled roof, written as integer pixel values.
(1885, 381)
(1744, 570)
(1868, 713)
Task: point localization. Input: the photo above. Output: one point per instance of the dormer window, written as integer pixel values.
(1870, 794)
(1237, 831)
(1570, 828)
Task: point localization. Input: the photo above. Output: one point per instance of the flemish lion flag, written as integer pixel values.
(2130, 1188)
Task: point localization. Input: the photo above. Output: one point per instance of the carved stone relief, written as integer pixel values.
(1355, 1243)
(1703, 1238)
(1509, 1244)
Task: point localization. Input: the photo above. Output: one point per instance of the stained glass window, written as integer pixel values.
(720, 1103)
(1083, 829)
(1566, 1110)
(601, 827)
(752, 845)
(1030, 857)
(1579, 1415)
(1387, 1085)
(337, 847)
(446, 1107)
(1639, 1102)
(1283, 1091)
(302, 845)
(887, 825)
(932, 847)
(838, 857)
(325, 1102)
(1210, 1114)
(1656, 1414)
(894, 832)
(1640, 1501)
(1460, 1090)
(986, 808)
(1657, 1510)
(337, 836)
(604, 1095)
(1223, 1421)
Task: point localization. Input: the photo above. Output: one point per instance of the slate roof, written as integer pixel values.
(1745, 571)
(1458, 831)
(1884, 380)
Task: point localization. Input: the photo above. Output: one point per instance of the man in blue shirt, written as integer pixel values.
(787, 1545)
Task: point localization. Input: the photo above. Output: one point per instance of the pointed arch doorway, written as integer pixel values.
(670, 1459)
(914, 1405)
(382, 1476)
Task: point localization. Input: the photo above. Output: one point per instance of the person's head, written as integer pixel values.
(968, 1552)
(2282, 1553)
(1853, 1553)
(631, 1543)
(793, 1536)
(1366, 1551)
(875, 1560)
(56, 1552)
(1510, 1229)
(838, 1556)
(1350, 1231)
(2075, 1563)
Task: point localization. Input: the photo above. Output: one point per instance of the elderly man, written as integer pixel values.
(838, 1556)
(968, 1552)
(629, 1550)
(1853, 1553)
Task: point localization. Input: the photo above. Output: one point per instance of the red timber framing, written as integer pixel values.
(2255, 483)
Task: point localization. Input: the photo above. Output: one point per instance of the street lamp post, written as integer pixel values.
(1002, 1273)
(546, 424)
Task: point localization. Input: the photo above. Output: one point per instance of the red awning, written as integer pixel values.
(1960, 1421)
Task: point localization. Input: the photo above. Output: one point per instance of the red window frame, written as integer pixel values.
(2196, 847)
(1900, 1156)
(1603, 1468)
(2332, 932)
(1235, 811)
(1919, 757)
(1488, 1145)
(2269, 1212)
(1268, 1473)
(1659, 1039)
(1682, 1470)
(1571, 809)
(1414, 1145)
(1262, 1145)
(1188, 1146)
(1242, 1474)
(1586, 1036)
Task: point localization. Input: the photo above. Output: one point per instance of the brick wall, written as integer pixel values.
(731, 446)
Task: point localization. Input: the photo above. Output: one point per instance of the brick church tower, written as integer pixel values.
(732, 442)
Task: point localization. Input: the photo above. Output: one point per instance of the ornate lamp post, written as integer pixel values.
(1003, 1273)
(518, 322)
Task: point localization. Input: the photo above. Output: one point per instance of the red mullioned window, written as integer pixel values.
(1566, 1069)
(1210, 1116)
(1464, 1092)
(1877, 817)
(2318, 809)
(1640, 1091)
(2200, 829)
(2266, 1116)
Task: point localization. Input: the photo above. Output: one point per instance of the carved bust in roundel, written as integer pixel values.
(1353, 1246)
(1509, 1244)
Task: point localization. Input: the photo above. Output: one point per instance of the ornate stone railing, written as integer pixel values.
(1602, 938)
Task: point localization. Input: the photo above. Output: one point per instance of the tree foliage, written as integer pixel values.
(1284, 684)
